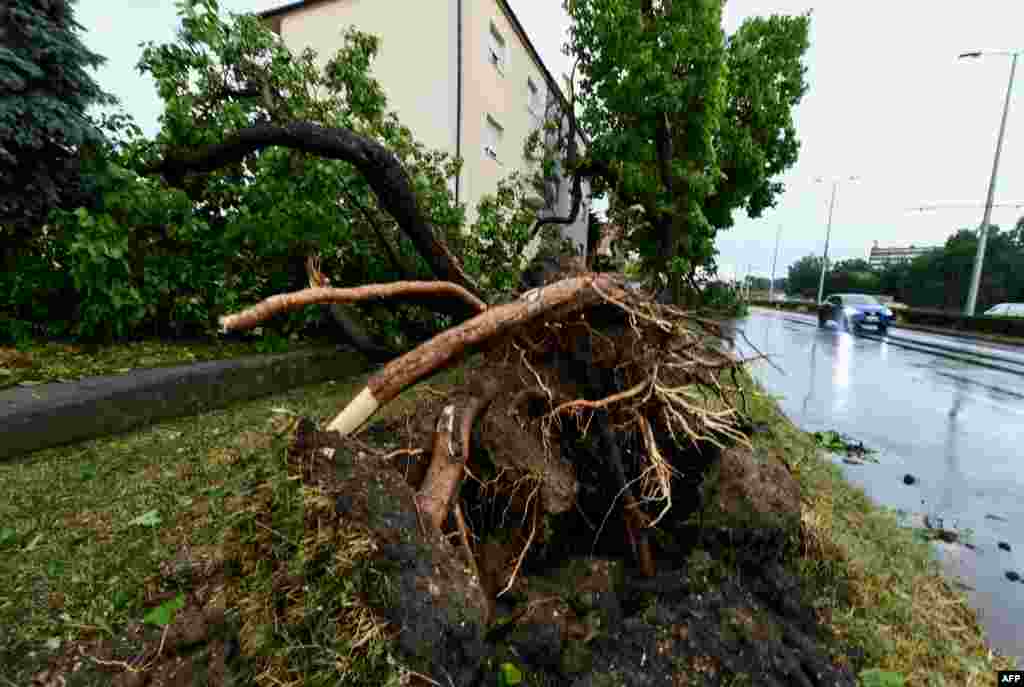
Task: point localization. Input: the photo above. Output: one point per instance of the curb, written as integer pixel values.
(1009, 342)
(48, 415)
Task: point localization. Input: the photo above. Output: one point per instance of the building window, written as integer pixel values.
(497, 49)
(493, 133)
(535, 102)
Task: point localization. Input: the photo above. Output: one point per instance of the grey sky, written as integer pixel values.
(888, 101)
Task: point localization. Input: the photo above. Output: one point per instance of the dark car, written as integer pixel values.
(851, 311)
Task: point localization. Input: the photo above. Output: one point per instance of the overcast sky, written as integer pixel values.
(888, 102)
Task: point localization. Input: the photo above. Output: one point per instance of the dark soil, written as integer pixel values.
(721, 607)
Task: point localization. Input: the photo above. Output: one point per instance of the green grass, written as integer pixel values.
(41, 362)
(874, 583)
(84, 529)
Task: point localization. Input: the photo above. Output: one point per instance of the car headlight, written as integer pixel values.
(887, 312)
(850, 311)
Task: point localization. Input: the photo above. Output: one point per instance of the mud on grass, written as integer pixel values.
(95, 536)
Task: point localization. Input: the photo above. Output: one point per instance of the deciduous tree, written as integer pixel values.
(684, 122)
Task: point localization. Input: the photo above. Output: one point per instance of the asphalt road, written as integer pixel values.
(948, 412)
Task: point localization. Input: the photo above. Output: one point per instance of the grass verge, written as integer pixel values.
(877, 586)
(42, 362)
(91, 537)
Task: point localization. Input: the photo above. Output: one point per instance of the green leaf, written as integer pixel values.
(150, 518)
(875, 677)
(509, 675)
(8, 535)
(163, 614)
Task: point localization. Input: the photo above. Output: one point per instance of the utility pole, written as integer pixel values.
(979, 257)
(771, 284)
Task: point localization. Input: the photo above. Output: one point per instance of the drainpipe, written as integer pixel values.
(458, 99)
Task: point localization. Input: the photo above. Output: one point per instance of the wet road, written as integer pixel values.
(947, 411)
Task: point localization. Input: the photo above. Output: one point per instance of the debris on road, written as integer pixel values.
(835, 442)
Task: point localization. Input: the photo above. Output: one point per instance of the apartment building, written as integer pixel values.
(461, 74)
(880, 258)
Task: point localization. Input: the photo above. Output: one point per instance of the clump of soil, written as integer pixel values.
(721, 605)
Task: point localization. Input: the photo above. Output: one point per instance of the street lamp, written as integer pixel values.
(828, 231)
(979, 257)
(771, 284)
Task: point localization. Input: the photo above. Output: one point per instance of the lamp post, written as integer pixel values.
(979, 257)
(771, 284)
(828, 232)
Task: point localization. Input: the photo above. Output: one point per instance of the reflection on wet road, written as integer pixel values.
(955, 425)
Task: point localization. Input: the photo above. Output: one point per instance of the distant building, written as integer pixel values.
(880, 258)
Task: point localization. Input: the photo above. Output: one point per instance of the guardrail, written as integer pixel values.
(1006, 326)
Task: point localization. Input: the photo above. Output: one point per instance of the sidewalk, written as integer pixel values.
(980, 337)
(39, 417)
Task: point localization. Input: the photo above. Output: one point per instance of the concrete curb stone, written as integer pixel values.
(48, 415)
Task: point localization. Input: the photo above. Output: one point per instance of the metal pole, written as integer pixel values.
(771, 284)
(979, 257)
(828, 234)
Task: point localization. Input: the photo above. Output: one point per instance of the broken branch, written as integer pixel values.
(406, 290)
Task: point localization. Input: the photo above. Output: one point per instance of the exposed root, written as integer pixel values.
(464, 535)
(128, 667)
(604, 402)
(443, 474)
(526, 548)
(656, 479)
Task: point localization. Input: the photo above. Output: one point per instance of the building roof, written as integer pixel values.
(902, 250)
(516, 24)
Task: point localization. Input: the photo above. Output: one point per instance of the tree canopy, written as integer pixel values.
(938, 279)
(685, 122)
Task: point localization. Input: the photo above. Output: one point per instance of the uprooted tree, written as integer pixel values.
(584, 381)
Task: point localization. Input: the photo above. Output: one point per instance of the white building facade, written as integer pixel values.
(461, 74)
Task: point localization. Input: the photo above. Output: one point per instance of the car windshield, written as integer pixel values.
(859, 300)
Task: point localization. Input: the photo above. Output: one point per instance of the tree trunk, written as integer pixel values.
(555, 300)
